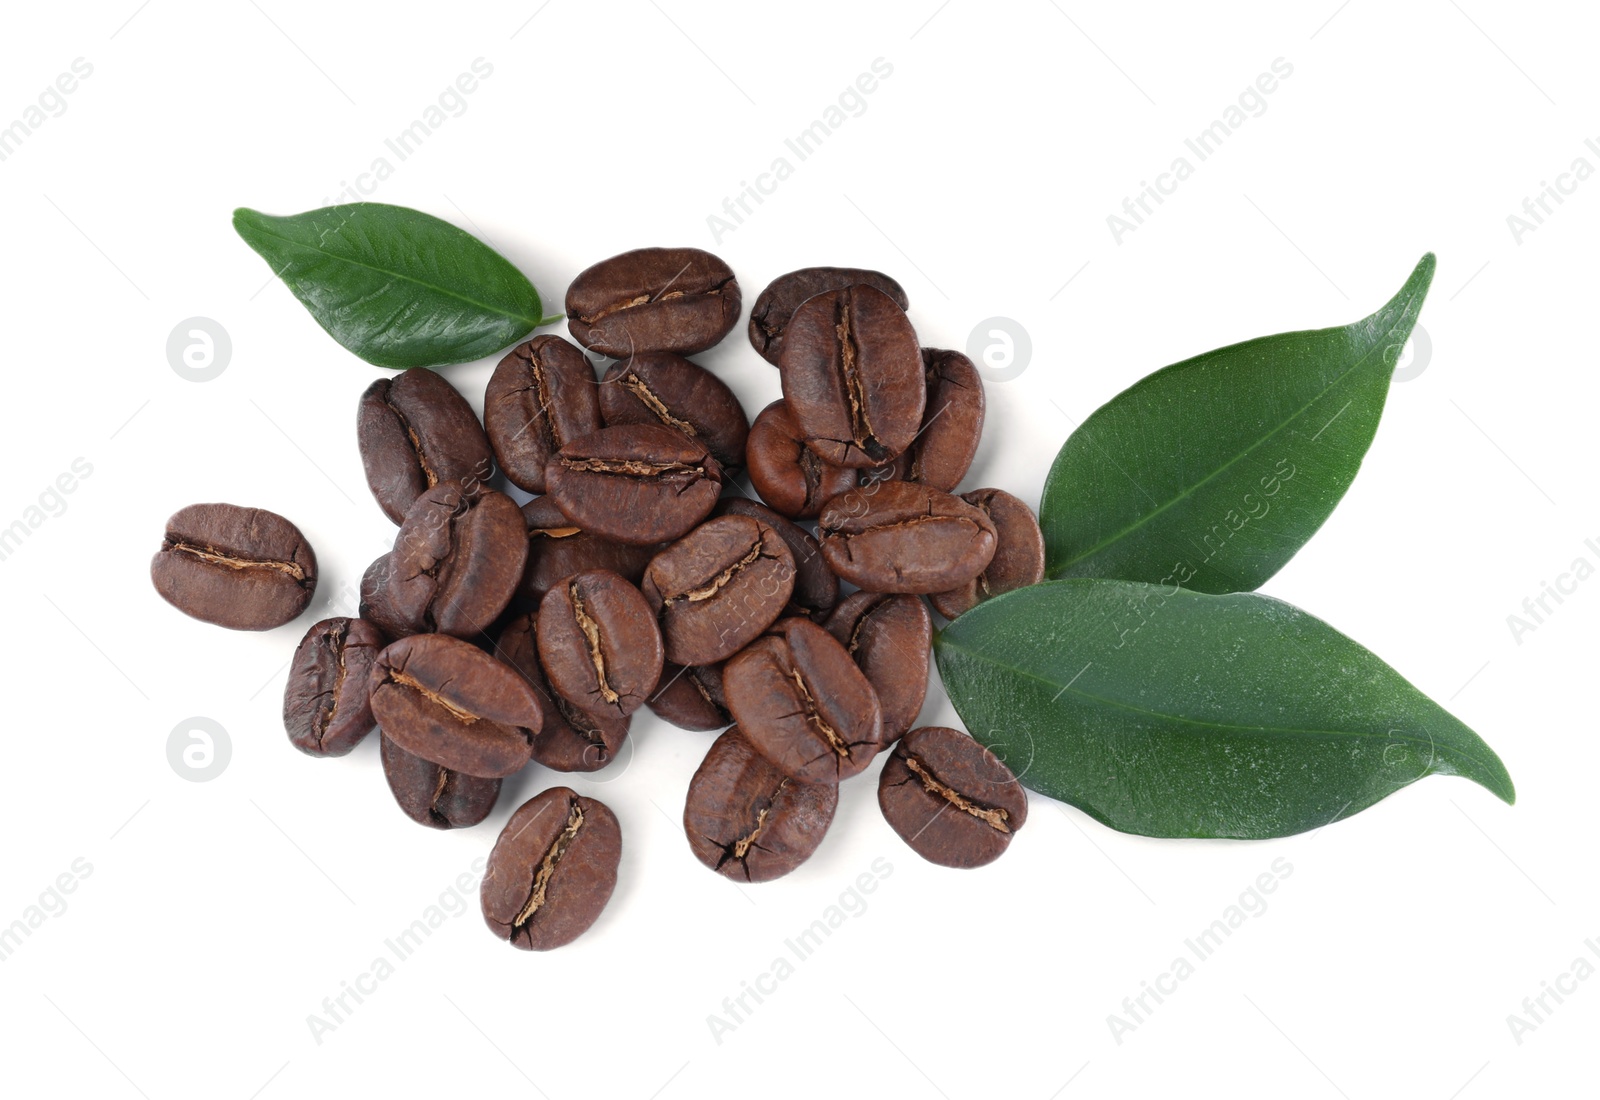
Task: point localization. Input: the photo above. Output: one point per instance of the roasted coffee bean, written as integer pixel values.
(691, 698)
(852, 376)
(327, 706)
(952, 423)
(452, 704)
(541, 396)
(599, 643)
(416, 431)
(776, 304)
(457, 560)
(816, 589)
(1018, 556)
(571, 740)
(888, 635)
(552, 870)
(653, 299)
(636, 483)
(950, 798)
(375, 605)
(718, 587)
(242, 568)
(558, 548)
(897, 536)
(790, 476)
(658, 387)
(748, 821)
(804, 704)
(433, 795)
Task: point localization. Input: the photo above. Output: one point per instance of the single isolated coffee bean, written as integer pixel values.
(748, 821)
(636, 483)
(888, 636)
(541, 396)
(599, 643)
(897, 536)
(776, 304)
(375, 605)
(433, 795)
(1018, 556)
(682, 300)
(242, 568)
(952, 424)
(416, 431)
(570, 740)
(803, 703)
(792, 478)
(457, 560)
(658, 387)
(691, 698)
(552, 870)
(327, 707)
(452, 704)
(717, 588)
(950, 798)
(852, 376)
(558, 548)
(816, 589)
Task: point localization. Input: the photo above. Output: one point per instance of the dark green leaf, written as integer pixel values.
(1213, 472)
(1175, 713)
(398, 287)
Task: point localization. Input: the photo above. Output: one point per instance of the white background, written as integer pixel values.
(218, 915)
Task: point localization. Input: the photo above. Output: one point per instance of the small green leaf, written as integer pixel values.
(1213, 472)
(397, 287)
(1180, 714)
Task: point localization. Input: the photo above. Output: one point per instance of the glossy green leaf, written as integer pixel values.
(397, 287)
(1213, 472)
(1180, 714)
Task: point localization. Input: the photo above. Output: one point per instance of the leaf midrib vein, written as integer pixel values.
(533, 321)
(1192, 489)
(1120, 705)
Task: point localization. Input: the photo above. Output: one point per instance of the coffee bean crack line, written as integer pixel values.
(715, 290)
(591, 637)
(721, 580)
(861, 624)
(465, 717)
(547, 868)
(848, 537)
(334, 640)
(640, 389)
(849, 352)
(438, 793)
(814, 717)
(416, 443)
(538, 388)
(811, 471)
(740, 849)
(658, 471)
(995, 818)
(705, 694)
(229, 561)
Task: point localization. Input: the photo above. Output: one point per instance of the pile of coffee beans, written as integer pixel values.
(492, 636)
